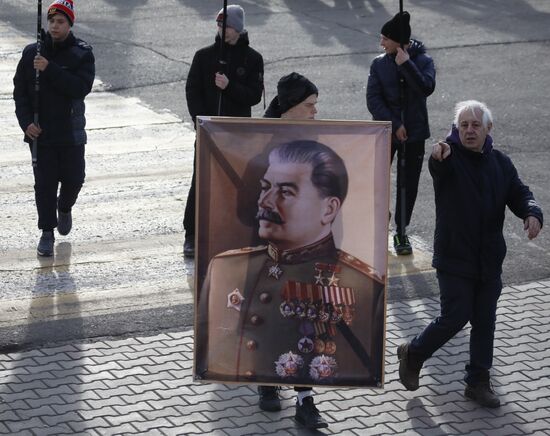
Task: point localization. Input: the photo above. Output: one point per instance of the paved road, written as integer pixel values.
(143, 385)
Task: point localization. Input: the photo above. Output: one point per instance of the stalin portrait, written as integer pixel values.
(296, 310)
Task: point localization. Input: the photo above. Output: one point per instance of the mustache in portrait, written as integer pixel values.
(268, 215)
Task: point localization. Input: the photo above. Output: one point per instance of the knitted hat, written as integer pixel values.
(293, 89)
(235, 17)
(392, 29)
(65, 7)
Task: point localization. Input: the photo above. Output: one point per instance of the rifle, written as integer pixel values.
(34, 149)
(221, 60)
(401, 154)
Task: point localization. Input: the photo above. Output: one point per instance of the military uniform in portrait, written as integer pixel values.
(311, 316)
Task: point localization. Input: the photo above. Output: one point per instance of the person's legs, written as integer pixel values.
(269, 398)
(415, 159)
(307, 413)
(481, 344)
(46, 177)
(46, 180)
(72, 175)
(189, 216)
(456, 300)
(72, 166)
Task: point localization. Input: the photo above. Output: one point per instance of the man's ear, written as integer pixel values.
(332, 207)
(489, 127)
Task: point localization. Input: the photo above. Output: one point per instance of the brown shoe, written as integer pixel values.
(483, 394)
(409, 369)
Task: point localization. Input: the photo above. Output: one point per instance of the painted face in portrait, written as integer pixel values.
(292, 212)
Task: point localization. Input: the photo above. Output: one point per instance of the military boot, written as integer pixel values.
(409, 368)
(483, 394)
(308, 415)
(269, 398)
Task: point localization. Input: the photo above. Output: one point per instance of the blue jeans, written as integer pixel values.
(463, 300)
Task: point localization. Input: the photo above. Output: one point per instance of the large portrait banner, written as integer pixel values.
(291, 251)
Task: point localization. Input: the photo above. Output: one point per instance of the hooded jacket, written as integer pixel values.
(64, 84)
(384, 94)
(472, 190)
(244, 69)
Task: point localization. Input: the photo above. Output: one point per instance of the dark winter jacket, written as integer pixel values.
(384, 94)
(245, 71)
(472, 190)
(64, 83)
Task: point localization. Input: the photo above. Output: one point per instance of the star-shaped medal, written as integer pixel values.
(319, 279)
(333, 280)
(274, 271)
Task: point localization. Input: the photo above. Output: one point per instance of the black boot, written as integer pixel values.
(402, 245)
(409, 368)
(64, 222)
(483, 394)
(308, 415)
(269, 398)
(45, 245)
(189, 246)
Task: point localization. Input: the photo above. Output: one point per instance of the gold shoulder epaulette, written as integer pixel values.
(360, 266)
(244, 250)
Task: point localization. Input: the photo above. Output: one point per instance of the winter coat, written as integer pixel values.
(64, 83)
(245, 71)
(384, 94)
(472, 190)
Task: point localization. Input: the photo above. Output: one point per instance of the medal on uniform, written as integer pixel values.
(319, 278)
(311, 312)
(319, 346)
(235, 299)
(333, 280)
(330, 347)
(336, 315)
(305, 345)
(323, 367)
(288, 364)
(287, 309)
(274, 271)
(348, 314)
(300, 309)
(324, 314)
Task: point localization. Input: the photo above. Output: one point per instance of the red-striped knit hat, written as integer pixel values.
(66, 7)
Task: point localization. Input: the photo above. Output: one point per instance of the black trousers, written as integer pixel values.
(414, 158)
(189, 215)
(463, 300)
(65, 165)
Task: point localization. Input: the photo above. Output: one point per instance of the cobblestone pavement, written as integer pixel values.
(144, 385)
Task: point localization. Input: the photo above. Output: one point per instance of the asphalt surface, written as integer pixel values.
(495, 51)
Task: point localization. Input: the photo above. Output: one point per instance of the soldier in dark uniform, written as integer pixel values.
(298, 310)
